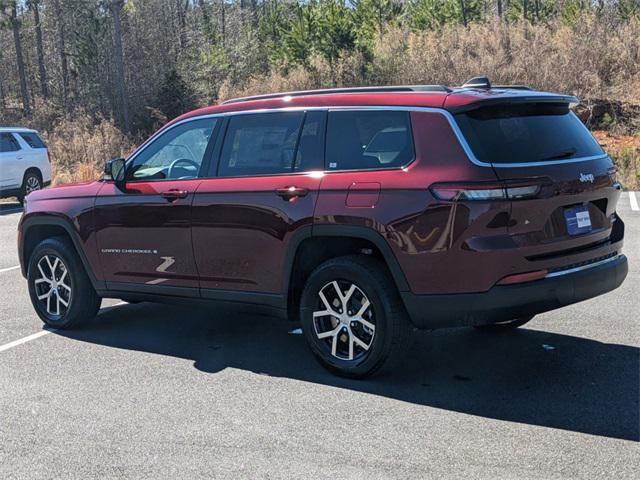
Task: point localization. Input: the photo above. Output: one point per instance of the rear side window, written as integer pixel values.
(260, 144)
(8, 143)
(368, 140)
(32, 139)
(526, 133)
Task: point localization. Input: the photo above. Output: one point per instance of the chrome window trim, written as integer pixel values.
(450, 118)
(568, 271)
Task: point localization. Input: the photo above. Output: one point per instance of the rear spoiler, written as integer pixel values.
(515, 99)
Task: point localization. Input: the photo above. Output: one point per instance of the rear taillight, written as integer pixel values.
(49, 156)
(486, 192)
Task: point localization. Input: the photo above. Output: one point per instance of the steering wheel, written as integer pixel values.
(179, 161)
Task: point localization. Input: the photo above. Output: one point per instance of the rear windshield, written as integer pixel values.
(32, 139)
(526, 133)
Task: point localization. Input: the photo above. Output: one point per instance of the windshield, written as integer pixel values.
(526, 133)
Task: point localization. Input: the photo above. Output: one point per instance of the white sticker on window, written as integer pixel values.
(583, 219)
(333, 165)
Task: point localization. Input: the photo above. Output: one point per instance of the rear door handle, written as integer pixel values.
(287, 193)
(174, 194)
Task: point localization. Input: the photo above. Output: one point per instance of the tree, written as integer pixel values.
(14, 23)
(116, 6)
(64, 67)
(175, 97)
(34, 5)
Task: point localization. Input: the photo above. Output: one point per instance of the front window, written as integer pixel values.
(8, 143)
(176, 154)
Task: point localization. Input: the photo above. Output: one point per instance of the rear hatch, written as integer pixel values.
(561, 183)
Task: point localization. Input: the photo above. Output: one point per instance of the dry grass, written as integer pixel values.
(625, 152)
(79, 147)
(591, 59)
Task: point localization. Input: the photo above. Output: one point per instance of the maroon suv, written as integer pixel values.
(360, 212)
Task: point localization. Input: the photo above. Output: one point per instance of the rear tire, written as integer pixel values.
(353, 318)
(504, 326)
(60, 290)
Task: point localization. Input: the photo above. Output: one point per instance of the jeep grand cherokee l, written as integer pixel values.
(360, 212)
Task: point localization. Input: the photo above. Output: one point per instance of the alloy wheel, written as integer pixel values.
(51, 285)
(33, 184)
(344, 320)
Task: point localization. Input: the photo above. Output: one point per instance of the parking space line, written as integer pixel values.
(42, 333)
(634, 201)
(2, 270)
(26, 339)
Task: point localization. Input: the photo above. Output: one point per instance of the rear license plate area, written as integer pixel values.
(578, 220)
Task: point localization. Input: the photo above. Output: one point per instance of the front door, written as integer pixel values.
(144, 232)
(263, 196)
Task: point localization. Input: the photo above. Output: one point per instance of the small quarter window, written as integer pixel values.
(359, 140)
(8, 143)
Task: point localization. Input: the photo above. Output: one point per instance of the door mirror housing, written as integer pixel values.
(114, 171)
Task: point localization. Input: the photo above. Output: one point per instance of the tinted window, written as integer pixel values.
(310, 152)
(8, 143)
(260, 144)
(526, 133)
(32, 139)
(175, 154)
(368, 139)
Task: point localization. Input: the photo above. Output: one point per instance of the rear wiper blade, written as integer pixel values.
(566, 153)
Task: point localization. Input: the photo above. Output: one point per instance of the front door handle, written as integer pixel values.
(174, 194)
(287, 193)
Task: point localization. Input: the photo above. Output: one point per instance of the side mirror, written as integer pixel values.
(114, 172)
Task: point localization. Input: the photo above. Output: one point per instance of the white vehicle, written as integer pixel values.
(25, 164)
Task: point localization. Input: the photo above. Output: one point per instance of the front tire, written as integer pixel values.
(352, 317)
(59, 287)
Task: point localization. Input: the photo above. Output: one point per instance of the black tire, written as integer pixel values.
(504, 326)
(32, 181)
(82, 300)
(391, 335)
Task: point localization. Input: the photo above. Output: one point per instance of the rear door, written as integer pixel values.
(545, 144)
(11, 159)
(260, 195)
(144, 232)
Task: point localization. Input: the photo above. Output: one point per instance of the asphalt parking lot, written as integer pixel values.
(153, 391)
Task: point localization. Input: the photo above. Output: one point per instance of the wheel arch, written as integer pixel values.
(35, 170)
(314, 245)
(35, 229)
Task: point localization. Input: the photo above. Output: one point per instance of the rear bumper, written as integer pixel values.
(507, 302)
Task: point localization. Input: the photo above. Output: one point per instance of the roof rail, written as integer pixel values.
(327, 91)
(513, 87)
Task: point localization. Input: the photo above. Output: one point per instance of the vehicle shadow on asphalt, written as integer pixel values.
(525, 376)
(7, 208)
